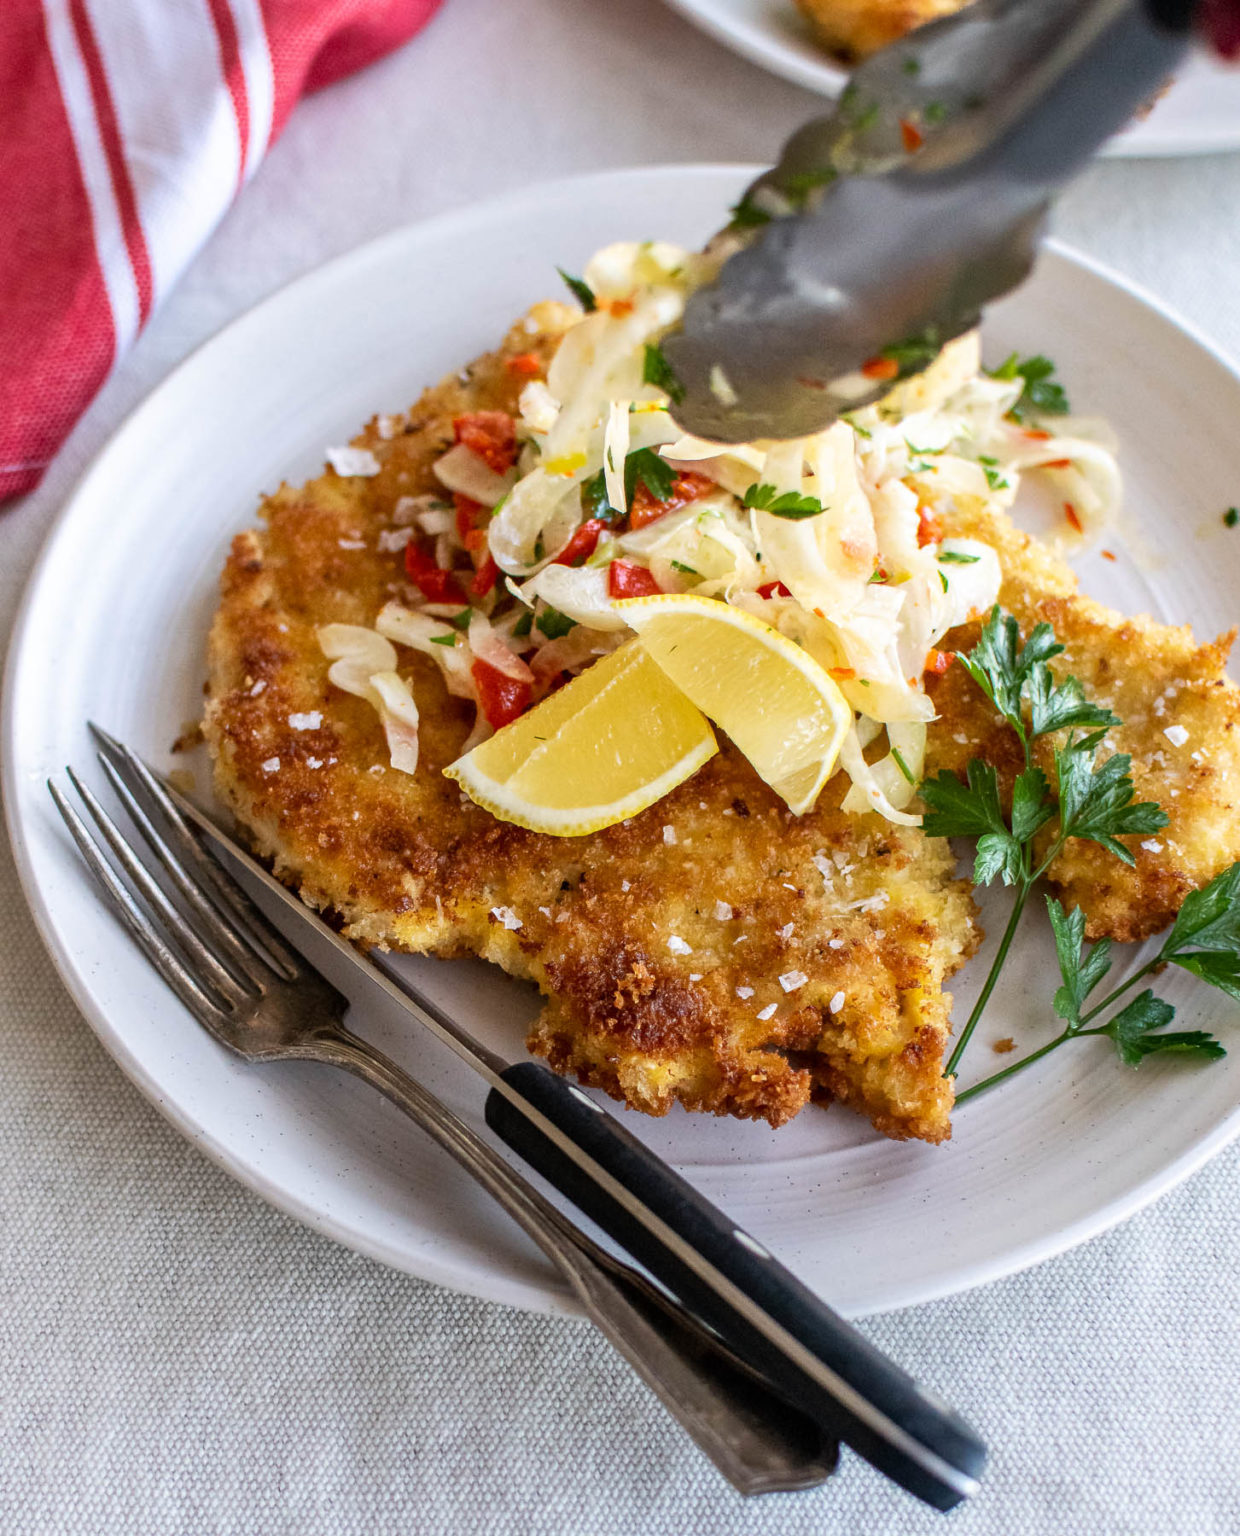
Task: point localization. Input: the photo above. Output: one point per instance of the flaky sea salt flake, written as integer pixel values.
(353, 461)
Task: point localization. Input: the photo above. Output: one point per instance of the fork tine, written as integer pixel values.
(253, 967)
(209, 967)
(166, 962)
(233, 903)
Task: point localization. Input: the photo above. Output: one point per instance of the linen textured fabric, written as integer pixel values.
(126, 129)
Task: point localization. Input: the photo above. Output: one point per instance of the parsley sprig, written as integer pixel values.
(640, 465)
(1203, 940)
(789, 504)
(657, 370)
(580, 290)
(1042, 394)
(1095, 799)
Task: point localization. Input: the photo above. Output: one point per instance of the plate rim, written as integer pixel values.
(497, 1286)
(825, 79)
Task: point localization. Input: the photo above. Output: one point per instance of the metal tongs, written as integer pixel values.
(889, 223)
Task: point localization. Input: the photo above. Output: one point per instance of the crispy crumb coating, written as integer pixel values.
(872, 914)
(1156, 678)
(857, 28)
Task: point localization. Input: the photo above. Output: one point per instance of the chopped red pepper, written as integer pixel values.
(688, 486)
(880, 368)
(526, 365)
(1037, 435)
(929, 529)
(500, 697)
(485, 576)
(467, 511)
(582, 544)
(773, 589)
(1070, 512)
(1056, 464)
(492, 435)
(1108, 554)
(435, 584)
(842, 674)
(911, 135)
(939, 661)
(626, 579)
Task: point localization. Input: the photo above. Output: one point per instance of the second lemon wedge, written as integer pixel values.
(603, 747)
(776, 702)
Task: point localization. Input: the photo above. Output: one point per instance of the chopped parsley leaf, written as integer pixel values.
(902, 765)
(554, 624)
(1041, 395)
(657, 370)
(656, 474)
(789, 504)
(956, 557)
(580, 290)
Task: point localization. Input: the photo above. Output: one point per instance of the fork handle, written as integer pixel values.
(806, 1350)
(759, 1442)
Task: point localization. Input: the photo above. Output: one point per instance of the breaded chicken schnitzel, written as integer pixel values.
(714, 950)
(872, 914)
(1181, 727)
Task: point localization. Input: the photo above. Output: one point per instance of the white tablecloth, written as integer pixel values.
(178, 1358)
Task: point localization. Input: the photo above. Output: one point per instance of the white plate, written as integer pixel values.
(113, 628)
(1199, 115)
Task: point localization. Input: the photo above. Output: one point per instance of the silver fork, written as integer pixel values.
(260, 998)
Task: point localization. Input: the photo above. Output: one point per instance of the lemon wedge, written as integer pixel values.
(776, 702)
(605, 746)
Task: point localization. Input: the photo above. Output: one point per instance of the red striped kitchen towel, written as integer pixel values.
(126, 128)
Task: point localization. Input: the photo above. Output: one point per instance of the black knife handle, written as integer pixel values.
(803, 1348)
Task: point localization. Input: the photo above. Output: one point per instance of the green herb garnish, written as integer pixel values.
(902, 765)
(554, 624)
(994, 477)
(1231, 517)
(688, 570)
(915, 352)
(443, 639)
(957, 557)
(656, 474)
(789, 504)
(1042, 395)
(461, 620)
(800, 184)
(1095, 799)
(524, 624)
(747, 215)
(580, 290)
(657, 370)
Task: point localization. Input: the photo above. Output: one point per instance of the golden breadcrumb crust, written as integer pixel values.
(872, 914)
(856, 28)
(1156, 678)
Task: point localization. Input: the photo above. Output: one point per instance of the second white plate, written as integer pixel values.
(1199, 114)
(113, 628)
